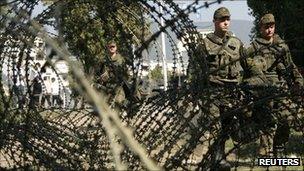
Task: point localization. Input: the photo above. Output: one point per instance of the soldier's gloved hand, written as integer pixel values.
(104, 77)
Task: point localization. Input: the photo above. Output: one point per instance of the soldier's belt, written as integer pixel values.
(270, 73)
(272, 76)
(233, 81)
(222, 81)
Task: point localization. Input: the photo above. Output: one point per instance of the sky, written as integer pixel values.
(239, 10)
(38, 9)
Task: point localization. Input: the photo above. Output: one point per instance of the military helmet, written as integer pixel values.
(267, 19)
(221, 12)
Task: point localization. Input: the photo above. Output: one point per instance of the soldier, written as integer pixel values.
(271, 57)
(113, 79)
(113, 76)
(223, 52)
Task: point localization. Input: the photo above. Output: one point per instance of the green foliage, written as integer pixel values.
(156, 73)
(289, 22)
(83, 33)
(88, 26)
(3, 11)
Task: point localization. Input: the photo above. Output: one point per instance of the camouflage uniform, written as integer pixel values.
(272, 60)
(222, 58)
(112, 71)
(222, 52)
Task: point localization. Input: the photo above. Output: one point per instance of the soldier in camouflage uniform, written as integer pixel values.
(222, 51)
(112, 76)
(271, 57)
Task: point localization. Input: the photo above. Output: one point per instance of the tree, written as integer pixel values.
(289, 22)
(3, 11)
(156, 73)
(87, 26)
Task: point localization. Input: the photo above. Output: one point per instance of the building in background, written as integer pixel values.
(33, 62)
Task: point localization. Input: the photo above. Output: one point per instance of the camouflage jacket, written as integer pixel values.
(223, 58)
(112, 72)
(274, 60)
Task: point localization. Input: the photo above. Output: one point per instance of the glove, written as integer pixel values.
(105, 76)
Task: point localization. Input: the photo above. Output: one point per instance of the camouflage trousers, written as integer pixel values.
(272, 117)
(274, 120)
(222, 112)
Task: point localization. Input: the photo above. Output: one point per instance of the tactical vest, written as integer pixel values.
(115, 68)
(271, 58)
(221, 56)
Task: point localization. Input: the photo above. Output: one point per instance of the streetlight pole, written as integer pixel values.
(164, 55)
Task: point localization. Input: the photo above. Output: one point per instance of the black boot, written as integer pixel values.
(219, 162)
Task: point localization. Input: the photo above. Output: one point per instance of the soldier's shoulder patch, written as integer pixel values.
(234, 43)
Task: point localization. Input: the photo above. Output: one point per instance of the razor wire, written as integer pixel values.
(175, 127)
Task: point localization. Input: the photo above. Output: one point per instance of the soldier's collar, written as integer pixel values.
(215, 39)
(276, 40)
(115, 57)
